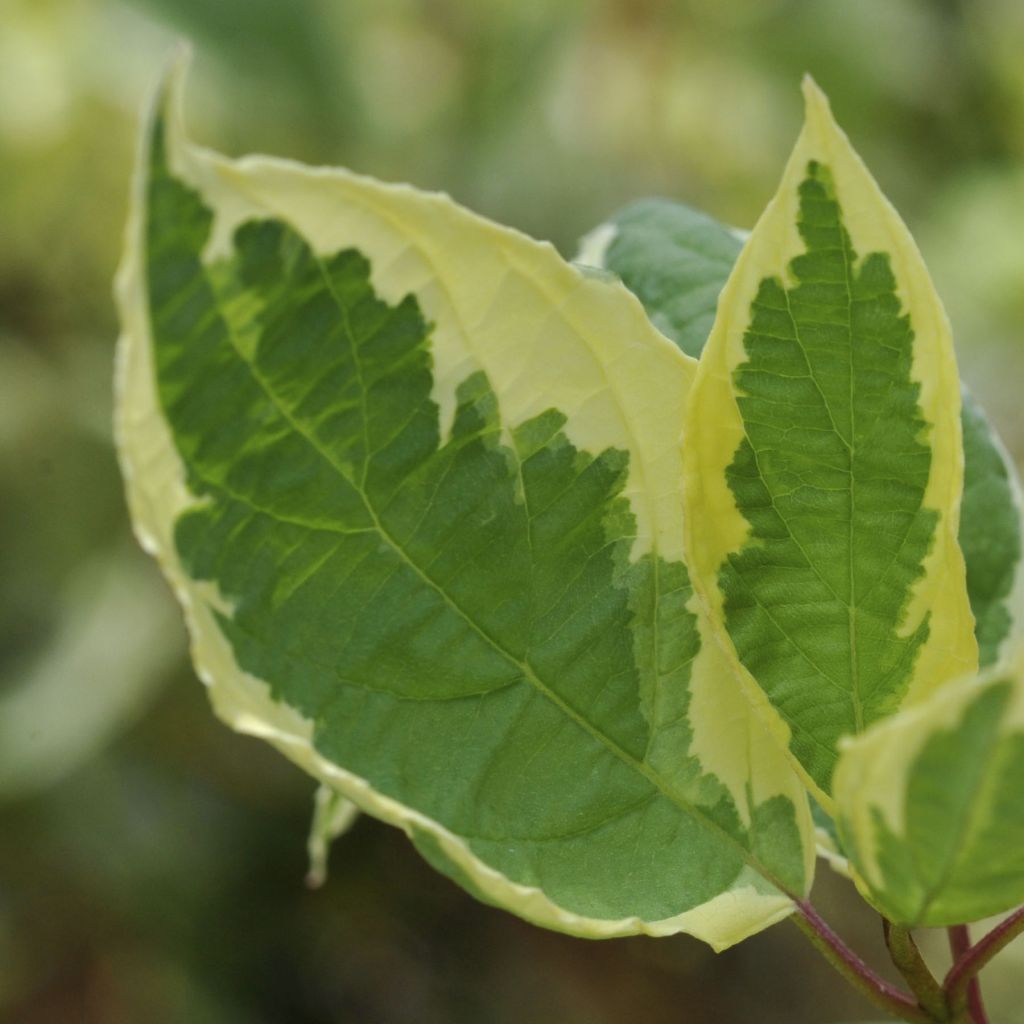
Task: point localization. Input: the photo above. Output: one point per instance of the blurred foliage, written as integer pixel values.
(151, 863)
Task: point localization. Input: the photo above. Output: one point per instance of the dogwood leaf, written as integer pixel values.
(823, 504)
(416, 481)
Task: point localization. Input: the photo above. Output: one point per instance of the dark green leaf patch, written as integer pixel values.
(831, 476)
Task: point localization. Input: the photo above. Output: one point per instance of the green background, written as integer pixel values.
(151, 862)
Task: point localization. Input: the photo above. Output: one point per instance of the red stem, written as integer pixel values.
(959, 945)
(971, 961)
(874, 987)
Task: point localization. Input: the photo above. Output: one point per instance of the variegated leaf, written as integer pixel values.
(823, 470)
(416, 483)
(929, 803)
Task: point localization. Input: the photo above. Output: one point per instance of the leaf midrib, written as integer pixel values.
(856, 702)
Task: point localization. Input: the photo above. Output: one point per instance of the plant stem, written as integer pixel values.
(909, 962)
(873, 987)
(968, 965)
(959, 945)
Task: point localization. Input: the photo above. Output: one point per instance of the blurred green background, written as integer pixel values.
(152, 863)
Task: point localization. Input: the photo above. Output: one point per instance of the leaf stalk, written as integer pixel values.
(908, 960)
(871, 985)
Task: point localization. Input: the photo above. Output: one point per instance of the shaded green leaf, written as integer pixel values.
(990, 535)
(675, 259)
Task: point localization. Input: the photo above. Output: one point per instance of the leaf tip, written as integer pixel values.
(167, 101)
(817, 109)
(172, 77)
